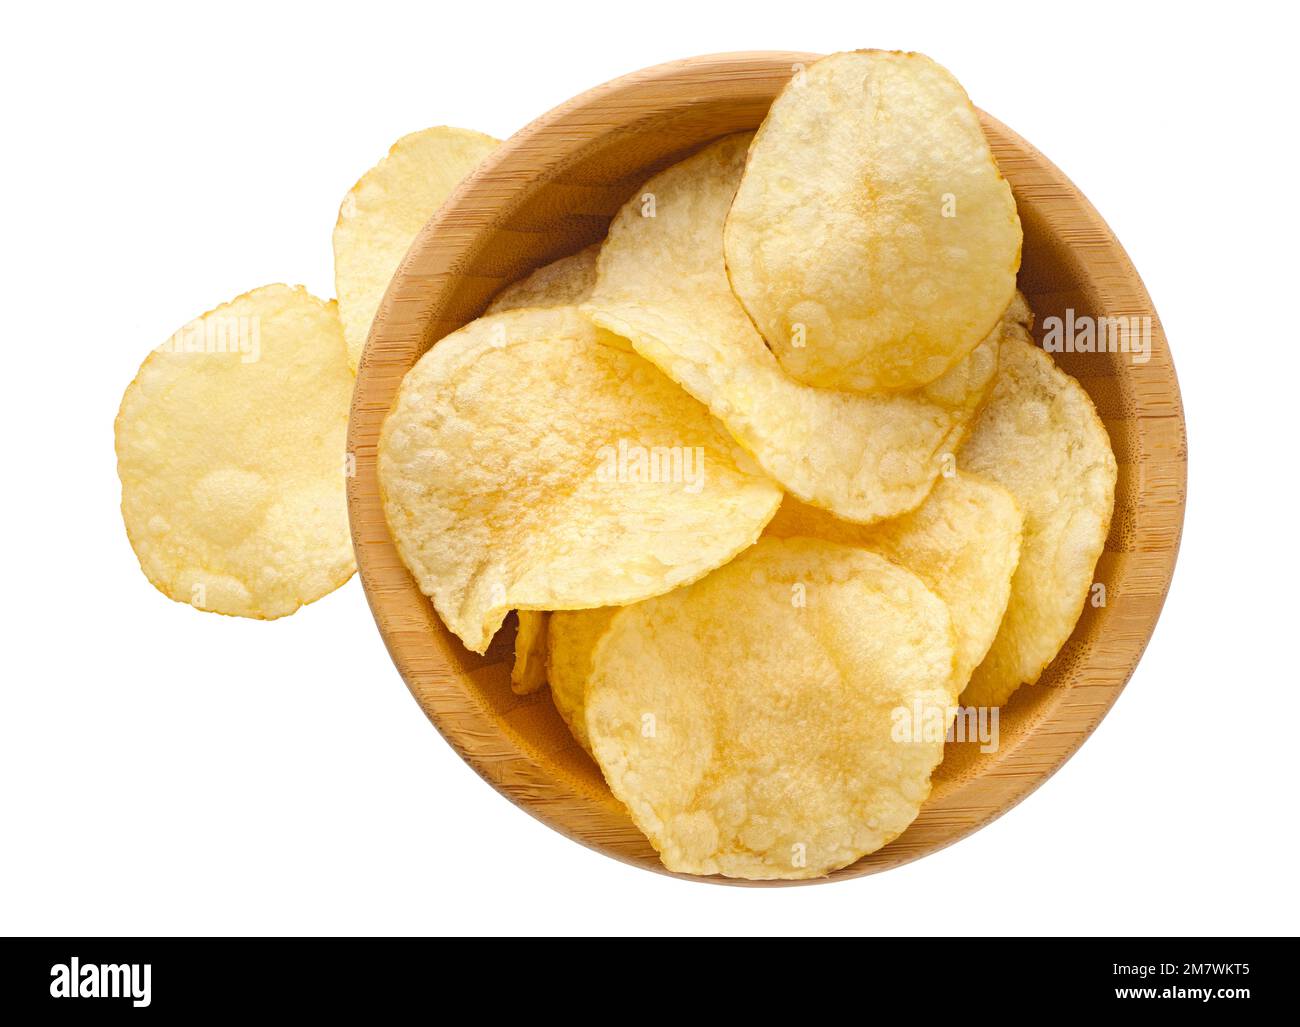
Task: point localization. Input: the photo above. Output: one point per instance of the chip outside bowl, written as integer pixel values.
(551, 189)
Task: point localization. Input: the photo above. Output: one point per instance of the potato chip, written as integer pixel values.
(571, 641)
(963, 542)
(872, 240)
(528, 673)
(562, 283)
(751, 722)
(661, 283)
(382, 214)
(230, 447)
(532, 461)
(1040, 438)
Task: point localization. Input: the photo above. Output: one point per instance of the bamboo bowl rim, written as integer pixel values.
(536, 198)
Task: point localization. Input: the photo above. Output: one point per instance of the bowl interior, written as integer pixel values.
(552, 189)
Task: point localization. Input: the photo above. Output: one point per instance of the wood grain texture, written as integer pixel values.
(553, 188)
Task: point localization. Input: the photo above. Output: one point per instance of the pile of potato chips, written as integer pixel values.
(231, 440)
(771, 469)
(775, 462)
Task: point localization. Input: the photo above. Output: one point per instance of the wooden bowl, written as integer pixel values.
(551, 189)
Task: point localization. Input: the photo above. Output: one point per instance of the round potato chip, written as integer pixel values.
(381, 215)
(751, 722)
(528, 673)
(872, 240)
(661, 283)
(963, 542)
(562, 283)
(230, 446)
(1041, 439)
(532, 461)
(571, 641)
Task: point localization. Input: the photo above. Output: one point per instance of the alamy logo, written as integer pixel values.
(630, 462)
(101, 980)
(219, 334)
(926, 722)
(1079, 333)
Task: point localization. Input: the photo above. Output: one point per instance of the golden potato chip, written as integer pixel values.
(1040, 438)
(381, 215)
(562, 283)
(872, 240)
(230, 447)
(571, 641)
(528, 673)
(963, 542)
(751, 722)
(661, 283)
(532, 461)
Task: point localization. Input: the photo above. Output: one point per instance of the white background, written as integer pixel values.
(167, 771)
